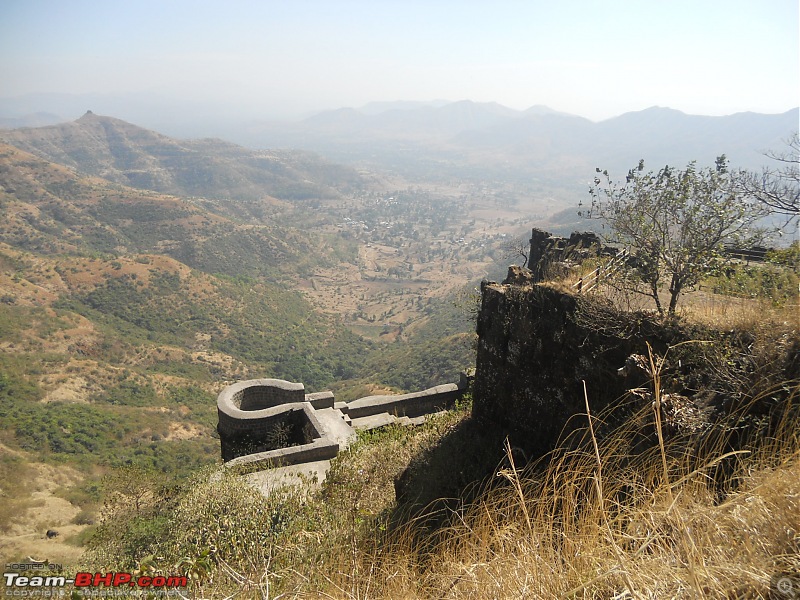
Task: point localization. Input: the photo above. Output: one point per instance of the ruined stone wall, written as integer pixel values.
(549, 252)
(537, 345)
(533, 354)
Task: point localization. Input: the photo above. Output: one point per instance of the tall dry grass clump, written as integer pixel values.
(684, 519)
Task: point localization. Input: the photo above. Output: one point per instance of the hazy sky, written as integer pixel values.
(269, 58)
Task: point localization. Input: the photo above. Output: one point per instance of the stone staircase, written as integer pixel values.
(339, 426)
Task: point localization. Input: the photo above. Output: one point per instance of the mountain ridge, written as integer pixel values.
(127, 154)
(471, 140)
(458, 135)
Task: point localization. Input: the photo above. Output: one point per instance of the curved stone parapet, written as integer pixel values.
(241, 399)
(260, 415)
(274, 422)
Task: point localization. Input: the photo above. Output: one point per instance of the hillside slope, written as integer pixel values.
(122, 314)
(51, 209)
(124, 153)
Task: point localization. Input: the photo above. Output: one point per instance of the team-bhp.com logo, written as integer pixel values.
(42, 585)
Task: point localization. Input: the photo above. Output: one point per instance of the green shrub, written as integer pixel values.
(85, 517)
(775, 283)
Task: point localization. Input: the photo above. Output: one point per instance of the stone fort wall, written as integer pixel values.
(275, 421)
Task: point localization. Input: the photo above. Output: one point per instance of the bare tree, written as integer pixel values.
(777, 187)
(516, 247)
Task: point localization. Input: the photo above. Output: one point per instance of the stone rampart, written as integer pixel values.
(271, 422)
(535, 350)
(538, 346)
(319, 449)
(550, 253)
(263, 414)
(414, 404)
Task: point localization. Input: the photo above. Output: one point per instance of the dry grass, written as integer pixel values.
(602, 523)
(658, 544)
(729, 312)
(596, 521)
(597, 518)
(720, 311)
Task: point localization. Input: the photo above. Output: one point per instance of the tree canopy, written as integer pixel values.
(675, 222)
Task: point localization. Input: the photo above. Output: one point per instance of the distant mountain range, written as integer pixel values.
(547, 152)
(489, 139)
